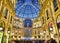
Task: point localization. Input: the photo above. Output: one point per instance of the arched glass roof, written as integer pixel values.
(27, 8)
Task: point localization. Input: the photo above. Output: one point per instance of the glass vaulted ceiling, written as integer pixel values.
(27, 8)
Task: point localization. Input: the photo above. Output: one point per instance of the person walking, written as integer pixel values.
(13, 41)
(53, 40)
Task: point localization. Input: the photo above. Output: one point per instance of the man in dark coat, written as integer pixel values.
(53, 41)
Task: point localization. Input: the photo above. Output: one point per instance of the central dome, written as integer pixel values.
(27, 8)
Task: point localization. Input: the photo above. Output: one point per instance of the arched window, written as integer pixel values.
(55, 5)
(27, 23)
(58, 23)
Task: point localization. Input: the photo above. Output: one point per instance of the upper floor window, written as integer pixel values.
(55, 5)
(47, 14)
(5, 13)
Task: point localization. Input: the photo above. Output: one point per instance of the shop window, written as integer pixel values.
(47, 14)
(5, 13)
(55, 5)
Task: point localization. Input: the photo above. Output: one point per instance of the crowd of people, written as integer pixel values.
(37, 41)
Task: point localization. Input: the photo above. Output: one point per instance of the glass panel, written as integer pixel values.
(27, 9)
(55, 5)
(29, 1)
(25, 15)
(30, 15)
